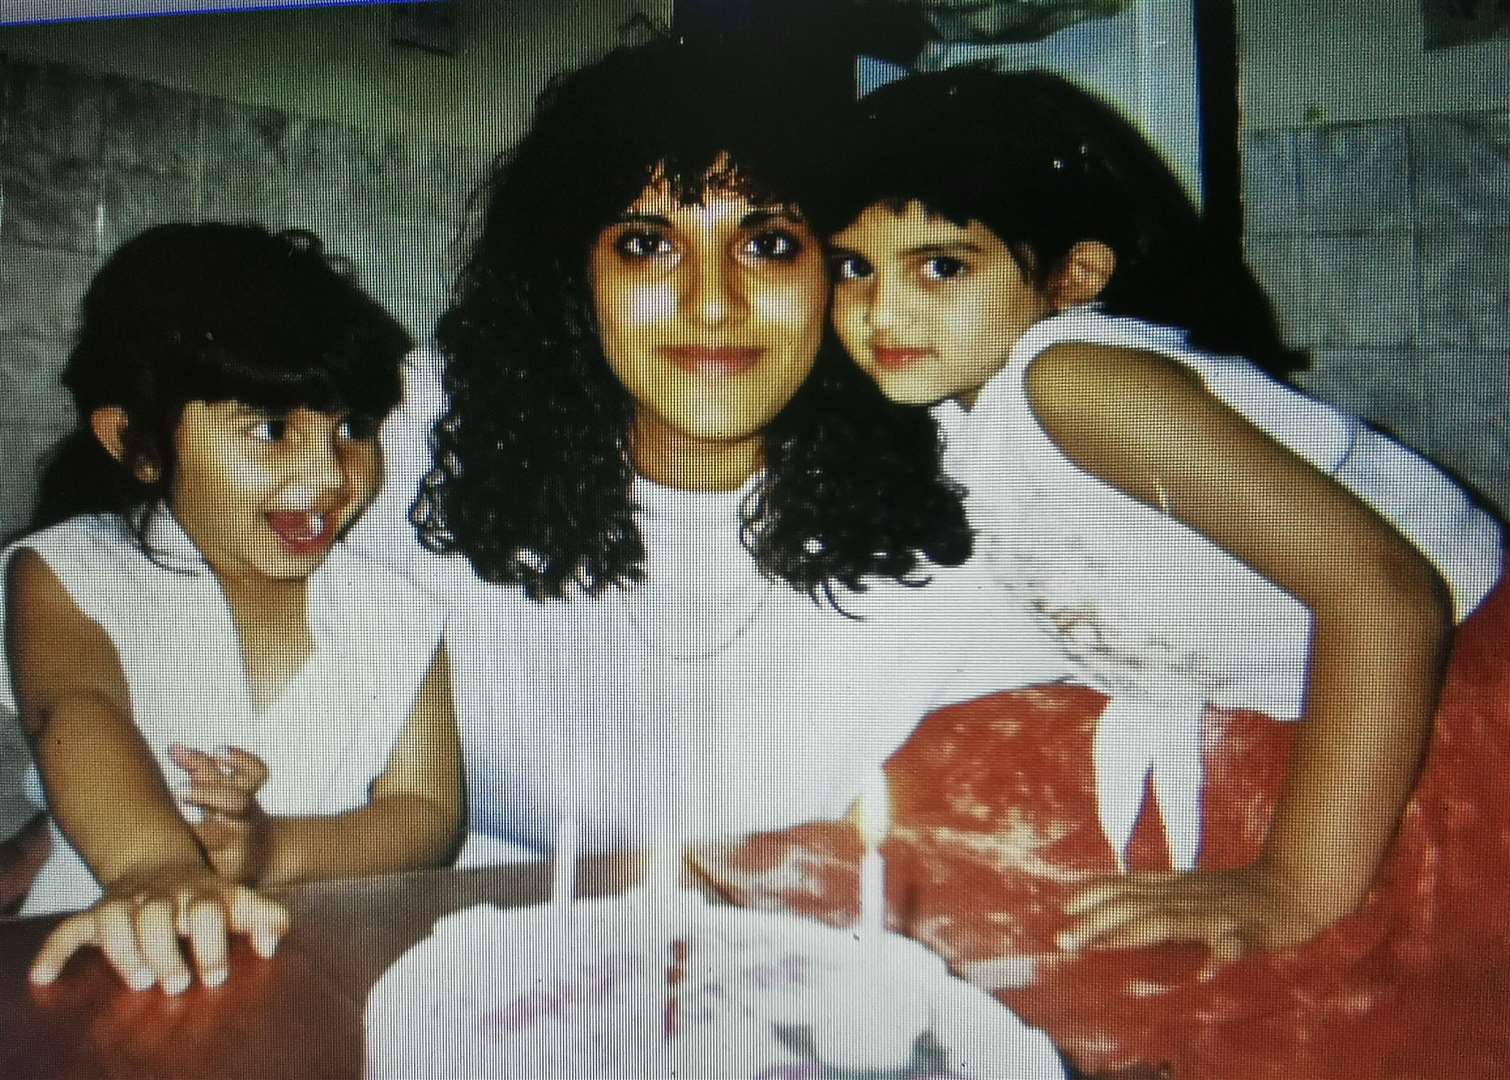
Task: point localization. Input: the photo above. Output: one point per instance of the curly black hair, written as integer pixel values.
(211, 312)
(1044, 164)
(533, 478)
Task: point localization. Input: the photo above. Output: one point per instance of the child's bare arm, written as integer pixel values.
(414, 818)
(1381, 628)
(109, 798)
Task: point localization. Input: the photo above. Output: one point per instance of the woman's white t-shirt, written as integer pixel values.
(706, 694)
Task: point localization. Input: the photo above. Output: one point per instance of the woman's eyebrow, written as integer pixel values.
(635, 217)
(765, 215)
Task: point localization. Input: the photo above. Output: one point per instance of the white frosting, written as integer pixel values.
(582, 991)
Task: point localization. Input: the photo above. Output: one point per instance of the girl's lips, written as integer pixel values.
(301, 532)
(893, 356)
(713, 360)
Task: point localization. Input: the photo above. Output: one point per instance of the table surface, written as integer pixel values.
(297, 1016)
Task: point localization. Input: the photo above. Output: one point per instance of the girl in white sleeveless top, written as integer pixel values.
(1187, 528)
(221, 696)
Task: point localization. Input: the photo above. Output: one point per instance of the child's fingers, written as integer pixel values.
(264, 920)
(245, 769)
(1133, 911)
(207, 938)
(194, 762)
(157, 937)
(219, 795)
(1099, 922)
(1109, 888)
(115, 923)
(67, 938)
(231, 765)
(1156, 927)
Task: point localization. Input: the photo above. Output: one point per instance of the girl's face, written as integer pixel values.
(929, 310)
(264, 495)
(711, 316)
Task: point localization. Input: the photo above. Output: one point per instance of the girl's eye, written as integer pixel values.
(271, 430)
(851, 268)
(773, 244)
(357, 428)
(641, 244)
(942, 268)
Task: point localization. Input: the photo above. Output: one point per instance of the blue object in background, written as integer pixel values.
(872, 73)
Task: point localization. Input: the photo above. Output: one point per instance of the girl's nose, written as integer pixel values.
(882, 310)
(320, 467)
(714, 290)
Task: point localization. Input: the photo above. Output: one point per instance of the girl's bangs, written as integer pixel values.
(340, 380)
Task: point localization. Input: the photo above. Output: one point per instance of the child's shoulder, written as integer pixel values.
(100, 540)
(98, 562)
(1091, 328)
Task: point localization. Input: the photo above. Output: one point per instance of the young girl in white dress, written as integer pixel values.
(220, 695)
(1189, 529)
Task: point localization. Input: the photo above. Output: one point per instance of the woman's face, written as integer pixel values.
(710, 315)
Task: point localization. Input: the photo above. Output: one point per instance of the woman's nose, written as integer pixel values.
(714, 292)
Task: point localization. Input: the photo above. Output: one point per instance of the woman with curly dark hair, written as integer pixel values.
(689, 546)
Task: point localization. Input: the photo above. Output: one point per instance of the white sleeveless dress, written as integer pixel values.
(326, 737)
(1145, 608)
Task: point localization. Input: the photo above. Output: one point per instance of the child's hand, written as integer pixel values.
(139, 922)
(235, 829)
(1231, 911)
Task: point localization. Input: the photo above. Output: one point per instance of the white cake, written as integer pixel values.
(639, 987)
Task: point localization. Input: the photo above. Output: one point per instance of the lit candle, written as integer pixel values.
(875, 821)
(872, 1023)
(664, 875)
(564, 861)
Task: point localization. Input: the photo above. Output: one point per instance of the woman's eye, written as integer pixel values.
(774, 244)
(942, 268)
(271, 430)
(850, 268)
(640, 244)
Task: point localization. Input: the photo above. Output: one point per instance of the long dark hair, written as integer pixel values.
(532, 477)
(210, 312)
(1043, 164)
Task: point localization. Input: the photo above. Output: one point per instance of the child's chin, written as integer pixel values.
(906, 391)
(291, 565)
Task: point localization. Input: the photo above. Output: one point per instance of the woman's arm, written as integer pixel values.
(1380, 633)
(107, 795)
(413, 819)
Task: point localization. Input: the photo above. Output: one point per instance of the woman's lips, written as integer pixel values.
(302, 532)
(896, 356)
(713, 360)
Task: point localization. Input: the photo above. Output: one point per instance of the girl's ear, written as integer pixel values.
(1082, 275)
(109, 423)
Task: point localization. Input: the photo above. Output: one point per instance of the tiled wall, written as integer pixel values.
(87, 161)
(1386, 247)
